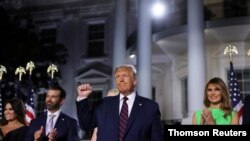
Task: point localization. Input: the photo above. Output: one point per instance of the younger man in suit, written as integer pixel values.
(125, 117)
(55, 125)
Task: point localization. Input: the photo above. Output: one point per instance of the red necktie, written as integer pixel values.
(123, 119)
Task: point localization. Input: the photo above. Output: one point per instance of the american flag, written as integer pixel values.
(235, 96)
(30, 113)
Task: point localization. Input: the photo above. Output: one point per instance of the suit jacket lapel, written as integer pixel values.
(134, 111)
(59, 123)
(43, 122)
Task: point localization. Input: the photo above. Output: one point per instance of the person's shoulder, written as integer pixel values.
(147, 100)
(109, 99)
(38, 119)
(64, 115)
(199, 111)
(22, 128)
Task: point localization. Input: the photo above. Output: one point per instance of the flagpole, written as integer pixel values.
(19, 71)
(235, 97)
(30, 112)
(30, 66)
(51, 70)
(231, 50)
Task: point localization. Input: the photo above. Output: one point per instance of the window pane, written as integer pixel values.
(238, 75)
(246, 74)
(96, 35)
(96, 49)
(96, 38)
(247, 86)
(96, 27)
(240, 85)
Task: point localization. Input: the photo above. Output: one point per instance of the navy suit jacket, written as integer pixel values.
(144, 122)
(66, 128)
(246, 111)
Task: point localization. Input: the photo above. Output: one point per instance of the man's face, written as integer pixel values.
(125, 81)
(53, 101)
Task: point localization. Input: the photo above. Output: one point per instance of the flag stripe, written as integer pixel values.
(30, 113)
(235, 96)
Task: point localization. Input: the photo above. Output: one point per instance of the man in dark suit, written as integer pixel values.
(246, 111)
(55, 125)
(140, 121)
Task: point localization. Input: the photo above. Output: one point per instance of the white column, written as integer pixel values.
(119, 44)
(196, 55)
(74, 45)
(144, 49)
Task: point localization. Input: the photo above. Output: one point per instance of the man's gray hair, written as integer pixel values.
(132, 67)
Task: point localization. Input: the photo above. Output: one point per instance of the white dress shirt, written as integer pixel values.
(56, 115)
(130, 102)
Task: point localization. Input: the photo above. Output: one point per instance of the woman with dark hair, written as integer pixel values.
(13, 127)
(217, 110)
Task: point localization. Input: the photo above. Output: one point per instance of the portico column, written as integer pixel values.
(144, 63)
(196, 55)
(119, 42)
